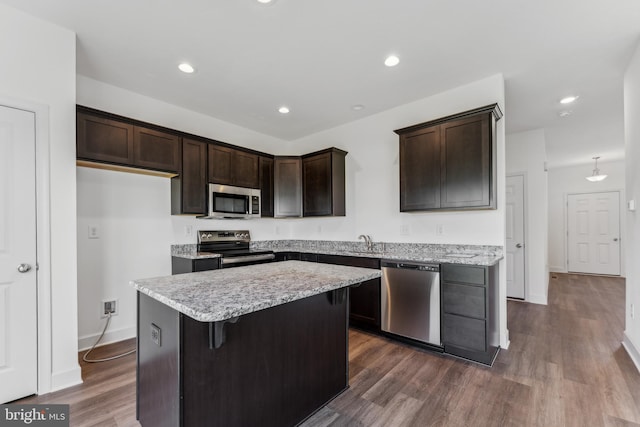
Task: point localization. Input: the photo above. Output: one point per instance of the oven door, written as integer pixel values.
(243, 260)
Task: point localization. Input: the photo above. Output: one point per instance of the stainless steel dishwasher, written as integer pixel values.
(410, 300)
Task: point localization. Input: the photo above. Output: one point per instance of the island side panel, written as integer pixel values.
(158, 381)
(276, 367)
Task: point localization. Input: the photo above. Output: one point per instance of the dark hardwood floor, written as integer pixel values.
(565, 367)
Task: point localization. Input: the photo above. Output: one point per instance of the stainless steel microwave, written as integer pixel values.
(226, 201)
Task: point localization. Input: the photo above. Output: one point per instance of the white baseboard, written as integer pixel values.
(633, 352)
(556, 269)
(60, 380)
(537, 299)
(504, 340)
(86, 342)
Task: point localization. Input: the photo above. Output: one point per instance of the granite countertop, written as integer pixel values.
(216, 295)
(432, 253)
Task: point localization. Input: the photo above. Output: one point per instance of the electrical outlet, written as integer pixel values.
(188, 230)
(405, 230)
(439, 230)
(94, 232)
(156, 334)
(109, 307)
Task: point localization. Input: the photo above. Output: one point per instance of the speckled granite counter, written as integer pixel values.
(217, 295)
(422, 252)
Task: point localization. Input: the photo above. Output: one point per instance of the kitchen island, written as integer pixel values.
(260, 345)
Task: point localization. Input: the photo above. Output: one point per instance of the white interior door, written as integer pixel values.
(515, 236)
(593, 225)
(18, 328)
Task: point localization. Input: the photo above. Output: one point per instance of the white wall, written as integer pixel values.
(372, 191)
(133, 212)
(526, 155)
(632, 180)
(132, 215)
(38, 65)
(372, 183)
(571, 180)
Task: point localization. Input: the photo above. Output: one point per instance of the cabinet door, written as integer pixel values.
(466, 163)
(316, 181)
(364, 303)
(244, 169)
(287, 187)
(464, 332)
(104, 140)
(266, 185)
(156, 150)
(194, 177)
(364, 299)
(220, 159)
(420, 170)
(304, 256)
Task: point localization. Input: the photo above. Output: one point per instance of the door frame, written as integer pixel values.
(525, 221)
(43, 237)
(621, 223)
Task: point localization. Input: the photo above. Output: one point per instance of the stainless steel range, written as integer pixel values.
(234, 246)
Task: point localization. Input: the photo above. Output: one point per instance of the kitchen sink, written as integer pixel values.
(459, 255)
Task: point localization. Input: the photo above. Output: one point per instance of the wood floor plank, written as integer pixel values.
(565, 367)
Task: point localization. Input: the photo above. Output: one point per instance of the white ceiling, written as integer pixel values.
(322, 57)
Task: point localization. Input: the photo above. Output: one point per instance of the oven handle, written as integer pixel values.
(239, 259)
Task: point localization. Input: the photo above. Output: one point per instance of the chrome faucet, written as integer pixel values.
(367, 240)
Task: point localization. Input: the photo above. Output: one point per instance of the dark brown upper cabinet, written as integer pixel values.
(156, 150)
(103, 139)
(287, 183)
(323, 183)
(189, 189)
(450, 163)
(266, 185)
(233, 167)
(111, 139)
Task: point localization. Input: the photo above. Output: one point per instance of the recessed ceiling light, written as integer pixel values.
(283, 110)
(186, 68)
(357, 107)
(391, 61)
(565, 113)
(265, 1)
(568, 99)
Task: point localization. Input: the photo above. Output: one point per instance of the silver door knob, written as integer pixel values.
(23, 268)
(518, 245)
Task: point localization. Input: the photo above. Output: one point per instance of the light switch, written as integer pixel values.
(94, 232)
(632, 205)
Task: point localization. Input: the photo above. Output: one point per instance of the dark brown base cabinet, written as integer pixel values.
(469, 311)
(181, 265)
(450, 163)
(276, 367)
(364, 298)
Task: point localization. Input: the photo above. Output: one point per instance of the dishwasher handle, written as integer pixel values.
(410, 266)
